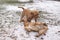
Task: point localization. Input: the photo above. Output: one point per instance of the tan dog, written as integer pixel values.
(29, 14)
(39, 27)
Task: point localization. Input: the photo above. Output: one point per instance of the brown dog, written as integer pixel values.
(29, 14)
(39, 27)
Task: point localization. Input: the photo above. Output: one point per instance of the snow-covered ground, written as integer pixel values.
(12, 29)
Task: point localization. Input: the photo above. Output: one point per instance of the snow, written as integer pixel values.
(14, 8)
(23, 0)
(12, 29)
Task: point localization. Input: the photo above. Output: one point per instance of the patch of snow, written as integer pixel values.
(11, 29)
(14, 8)
(23, 0)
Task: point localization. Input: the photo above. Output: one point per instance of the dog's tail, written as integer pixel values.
(21, 7)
